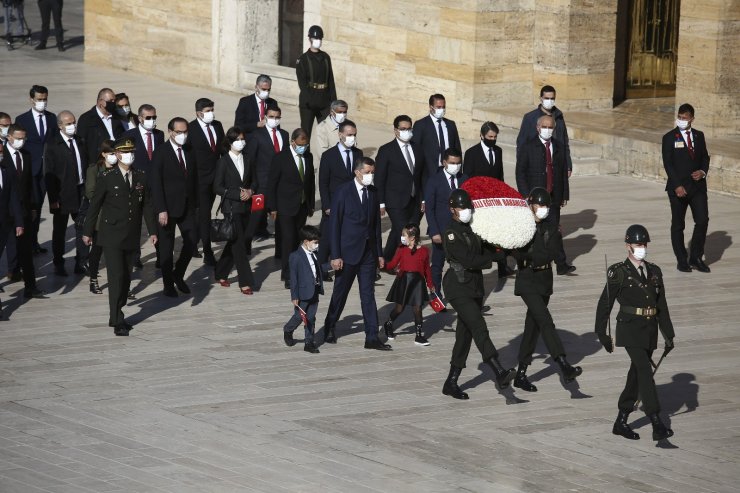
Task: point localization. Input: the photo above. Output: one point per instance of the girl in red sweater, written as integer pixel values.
(414, 272)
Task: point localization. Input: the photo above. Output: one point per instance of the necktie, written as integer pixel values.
(642, 275)
(410, 164)
(262, 109)
(275, 143)
(452, 183)
(42, 129)
(349, 161)
(210, 138)
(490, 155)
(182, 161)
(366, 203)
(442, 145)
(74, 156)
(301, 173)
(548, 166)
(691, 144)
(149, 145)
(127, 177)
(18, 163)
(316, 268)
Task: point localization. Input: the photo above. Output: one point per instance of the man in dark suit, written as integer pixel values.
(251, 112)
(356, 251)
(399, 166)
(18, 159)
(11, 214)
(175, 195)
(47, 8)
(64, 169)
(437, 194)
(336, 168)
(541, 163)
(291, 194)
(433, 134)
(205, 139)
(39, 125)
(146, 136)
(686, 162)
(121, 199)
(98, 124)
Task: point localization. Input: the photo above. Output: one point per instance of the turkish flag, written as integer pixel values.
(436, 304)
(258, 202)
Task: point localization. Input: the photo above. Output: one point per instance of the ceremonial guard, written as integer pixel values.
(467, 255)
(638, 286)
(315, 81)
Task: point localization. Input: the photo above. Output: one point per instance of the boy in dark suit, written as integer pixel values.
(305, 287)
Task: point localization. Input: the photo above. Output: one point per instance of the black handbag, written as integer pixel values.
(222, 229)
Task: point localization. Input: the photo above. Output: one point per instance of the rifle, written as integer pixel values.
(655, 369)
(608, 300)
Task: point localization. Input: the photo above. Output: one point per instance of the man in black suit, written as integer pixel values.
(433, 134)
(98, 124)
(175, 195)
(541, 163)
(686, 162)
(64, 169)
(11, 215)
(205, 139)
(251, 112)
(336, 168)
(146, 136)
(291, 194)
(398, 170)
(47, 8)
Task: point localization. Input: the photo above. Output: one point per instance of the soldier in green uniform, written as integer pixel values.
(121, 198)
(534, 285)
(638, 285)
(467, 255)
(315, 81)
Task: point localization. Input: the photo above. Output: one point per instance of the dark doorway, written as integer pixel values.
(291, 31)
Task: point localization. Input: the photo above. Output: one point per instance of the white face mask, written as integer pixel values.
(453, 169)
(404, 240)
(111, 159)
(340, 117)
(542, 212)
(367, 180)
(682, 124)
(315, 44)
(548, 104)
(272, 122)
(546, 133)
(181, 138)
(263, 94)
(70, 129)
(208, 117)
(127, 158)
(466, 215)
(39, 106)
(639, 252)
(17, 144)
(313, 246)
(405, 135)
(4, 132)
(149, 124)
(238, 145)
(439, 113)
(126, 109)
(349, 141)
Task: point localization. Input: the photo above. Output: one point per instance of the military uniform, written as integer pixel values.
(317, 90)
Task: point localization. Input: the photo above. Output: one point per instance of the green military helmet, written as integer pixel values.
(315, 32)
(459, 199)
(539, 196)
(637, 233)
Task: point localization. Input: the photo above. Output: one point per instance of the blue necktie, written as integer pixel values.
(442, 145)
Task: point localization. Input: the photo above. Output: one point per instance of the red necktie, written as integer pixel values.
(18, 163)
(210, 138)
(182, 162)
(149, 145)
(262, 109)
(275, 143)
(548, 166)
(691, 144)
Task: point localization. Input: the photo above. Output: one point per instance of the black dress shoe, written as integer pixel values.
(40, 46)
(329, 336)
(34, 293)
(288, 338)
(182, 286)
(197, 254)
(120, 330)
(15, 276)
(565, 269)
(60, 47)
(59, 270)
(132, 296)
(287, 284)
(699, 265)
(376, 344)
(209, 259)
(38, 249)
(310, 347)
(80, 269)
(170, 291)
(377, 275)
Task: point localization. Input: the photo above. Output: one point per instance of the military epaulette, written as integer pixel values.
(615, 273)
(138, 171)
(108, 171)
(653, 268)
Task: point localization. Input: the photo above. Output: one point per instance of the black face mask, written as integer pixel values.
(489, 142)
(110, 107)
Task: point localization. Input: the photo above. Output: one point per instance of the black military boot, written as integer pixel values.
(420, 339)
(659, 429)
(388, 327)
(521, 381)
(503, 377)
(569, 372)
(450, 387)
(622, 428)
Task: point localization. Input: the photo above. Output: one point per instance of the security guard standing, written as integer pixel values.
(467, 255)
(534, 285)
(638, 285)
(315, 81)
(121, 197)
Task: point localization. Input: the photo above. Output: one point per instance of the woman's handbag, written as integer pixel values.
(222, 229)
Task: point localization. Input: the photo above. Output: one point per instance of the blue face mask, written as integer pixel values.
(300, 149)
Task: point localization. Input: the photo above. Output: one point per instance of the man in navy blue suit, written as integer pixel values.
(11, 215)
(434, 133)
(40, 126)
(251, 112)
(356, 251)
(146, 137)
(437, 196)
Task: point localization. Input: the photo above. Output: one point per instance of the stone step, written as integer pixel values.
(595, 166)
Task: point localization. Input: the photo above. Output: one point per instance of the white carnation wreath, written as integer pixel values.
(505, 222)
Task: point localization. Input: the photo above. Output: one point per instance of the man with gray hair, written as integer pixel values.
(251, 111)
(327, 131)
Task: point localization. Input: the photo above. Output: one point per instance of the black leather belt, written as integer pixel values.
(536, 268)
(647, 311)
(319, 87)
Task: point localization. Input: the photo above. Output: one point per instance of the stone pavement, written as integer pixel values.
(204, 396)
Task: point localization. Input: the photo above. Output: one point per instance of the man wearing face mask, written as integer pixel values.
(205, 139)
(327, 131)
(468, 255)
(437, 195)
(65, 169)
(356, 251)
(534, 285)
(174, 196)
(146, 136)
(399, 167)
(251, 112)
(434, 134)
(11, 252)
(123, 112)
(527, 130)
(315, 81)
(97, 124)
(5, 122)
(643, 310)
(541, 163)
(120, 201)
(291, 194)
(336, 169)
(686, 162)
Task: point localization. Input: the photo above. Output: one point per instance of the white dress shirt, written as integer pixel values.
(36, 115)
(359, 187)
(107, 122)
(80, 173)
(238, 160)
(485, 153)
(143, 133)
(310, 260)
(176, 147)
(444, 132)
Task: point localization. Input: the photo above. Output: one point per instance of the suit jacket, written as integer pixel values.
(24, 181)
(173, 190)
(437, 197)
(679, 164)
(34, 143)
(426, 137)
(528, 130)
(302, 281)
(333, 172)
(10, 203)
(92, 131)
(120, 210)
(141, 157)
(205, 158)
(531, 170)
(227, 183)
(247, 114)
(62, 174)
(260, 152)
(475, 162)
(352, 228)
(285, 187)
(394, 179)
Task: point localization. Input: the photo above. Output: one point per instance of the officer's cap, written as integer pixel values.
(315, 32)
(124, 144)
